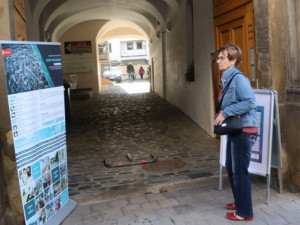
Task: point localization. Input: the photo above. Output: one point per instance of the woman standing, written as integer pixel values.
(239, 99)
(141, 72)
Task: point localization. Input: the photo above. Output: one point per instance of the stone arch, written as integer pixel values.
(126, 15)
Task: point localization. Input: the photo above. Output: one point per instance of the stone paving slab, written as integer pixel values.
(183, 206)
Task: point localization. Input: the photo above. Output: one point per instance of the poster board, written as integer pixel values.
(78, 47)
(73, 81)
(78, 63)
(33, 74)
(266, 152)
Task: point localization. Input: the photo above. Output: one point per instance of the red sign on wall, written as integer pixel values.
(78, 47)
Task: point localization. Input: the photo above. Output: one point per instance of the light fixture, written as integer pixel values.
(158, 34)
(168, 26)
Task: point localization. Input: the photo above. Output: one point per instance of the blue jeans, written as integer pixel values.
(238, 154)
(131, 77)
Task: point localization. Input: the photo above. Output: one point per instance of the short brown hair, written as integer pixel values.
(234, 52)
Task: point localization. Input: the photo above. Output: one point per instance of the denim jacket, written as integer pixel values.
(239, 98)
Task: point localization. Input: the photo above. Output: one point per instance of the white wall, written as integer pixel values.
(204, 46)
(116, 49)
(194, 99)
(157, 67)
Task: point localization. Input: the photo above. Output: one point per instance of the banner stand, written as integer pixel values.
(35, 92)
(266, 152)
(61, 215)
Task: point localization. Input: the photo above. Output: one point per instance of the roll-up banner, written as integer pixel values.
(33, 72)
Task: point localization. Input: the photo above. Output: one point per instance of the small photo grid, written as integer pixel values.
(42, 184)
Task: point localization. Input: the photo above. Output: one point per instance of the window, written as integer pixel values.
(189, 32)
(129, 45)
(139, 45)
(109, 47)
(102, 48)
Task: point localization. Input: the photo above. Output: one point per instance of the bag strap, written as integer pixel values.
(223, 93)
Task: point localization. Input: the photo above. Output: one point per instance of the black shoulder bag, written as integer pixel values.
(232, 124)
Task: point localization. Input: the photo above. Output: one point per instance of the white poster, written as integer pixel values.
(33, 72)
(261, 150)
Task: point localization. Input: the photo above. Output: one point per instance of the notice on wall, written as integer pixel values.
(76, 63)
(33, 72)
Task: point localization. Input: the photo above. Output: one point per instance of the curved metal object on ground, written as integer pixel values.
(131, 161)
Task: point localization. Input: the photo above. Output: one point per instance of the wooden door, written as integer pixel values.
(20, 20)
(236, 25)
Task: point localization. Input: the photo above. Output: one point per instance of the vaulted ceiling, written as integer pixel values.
(53, 17)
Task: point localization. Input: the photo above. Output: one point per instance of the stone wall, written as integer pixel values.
(276, 70)
(292, 103)
(11, 211)
(11, 193)
(262, 33)
(2, 196)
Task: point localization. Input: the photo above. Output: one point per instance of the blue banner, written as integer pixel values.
(33, 72)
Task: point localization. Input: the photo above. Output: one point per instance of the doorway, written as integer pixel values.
(234, 23)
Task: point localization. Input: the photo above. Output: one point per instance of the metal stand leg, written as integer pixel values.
(280, 180)
(221, 179)
(268, 189)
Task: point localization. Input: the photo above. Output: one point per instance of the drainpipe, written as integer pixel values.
(164, 64)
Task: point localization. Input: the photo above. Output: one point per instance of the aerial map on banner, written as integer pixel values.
(33, 72)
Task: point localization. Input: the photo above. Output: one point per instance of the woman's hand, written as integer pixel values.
(219, 119)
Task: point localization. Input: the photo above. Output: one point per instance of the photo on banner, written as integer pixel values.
(33, 74)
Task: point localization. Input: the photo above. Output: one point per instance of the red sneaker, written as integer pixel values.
(231, 206)
(233, 216)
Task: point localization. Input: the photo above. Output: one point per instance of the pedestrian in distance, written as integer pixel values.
(141, 72)
(239, 99)
(130, 71)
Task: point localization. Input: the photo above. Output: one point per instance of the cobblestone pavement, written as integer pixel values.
(114, 123)
(180, 189)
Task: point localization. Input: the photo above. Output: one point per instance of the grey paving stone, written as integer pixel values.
(83, 210)
(97, 207)
(119, 203)
(168, 203)
(272, 209)
(158, 214)
(157, 197)
(149, 206)
(131, 209)
(138, 200)
(183, 208)
(289, 205)
(192, 218)
(127, 220)
(110, 213)
(275, 220)
(73, 219)
(292, 217)
(165, 221)
(106, 222)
